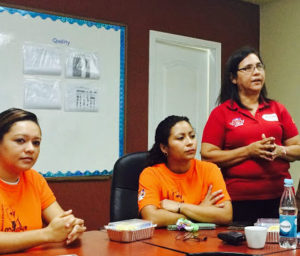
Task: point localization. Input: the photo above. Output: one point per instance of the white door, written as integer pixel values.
(184, 79)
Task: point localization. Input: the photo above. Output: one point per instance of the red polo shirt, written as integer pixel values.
(230, 127)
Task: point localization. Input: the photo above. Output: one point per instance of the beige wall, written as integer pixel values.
(280, 50)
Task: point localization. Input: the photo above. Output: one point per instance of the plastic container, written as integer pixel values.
(130, 230)
(272, 226)
(288, 212)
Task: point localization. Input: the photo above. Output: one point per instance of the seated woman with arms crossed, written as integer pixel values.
(25, 197)
(176, 185)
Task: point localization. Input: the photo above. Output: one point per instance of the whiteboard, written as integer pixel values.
(74, 143)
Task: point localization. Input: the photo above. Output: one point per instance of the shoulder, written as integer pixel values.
(278, 108)
(209, 171)
(153, 170)
(277, 105)
(224, 107)
(33, 174)
(34, 177)
(220, 108)
(152, 175)
(206, 166)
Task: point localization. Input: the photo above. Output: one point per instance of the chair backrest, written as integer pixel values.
(125, 184)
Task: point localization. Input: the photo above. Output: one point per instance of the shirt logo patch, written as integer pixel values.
(142, 195)
(237, 122)
(270, 117)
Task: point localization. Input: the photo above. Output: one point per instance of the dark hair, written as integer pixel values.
(229, 91)
(162, 135)
(13, 115)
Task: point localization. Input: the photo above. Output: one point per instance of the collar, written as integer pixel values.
(232, 105)
(181, 175)
(11, 183)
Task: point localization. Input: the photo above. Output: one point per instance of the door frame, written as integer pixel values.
(214, 71)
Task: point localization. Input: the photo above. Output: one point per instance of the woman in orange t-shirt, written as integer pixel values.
(25, 197)
(177, 185)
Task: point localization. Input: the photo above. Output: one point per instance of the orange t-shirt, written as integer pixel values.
(21, 205)
(158, 182)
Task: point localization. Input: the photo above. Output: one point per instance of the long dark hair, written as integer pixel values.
(162, 135)
(13, 115)
(229, 91)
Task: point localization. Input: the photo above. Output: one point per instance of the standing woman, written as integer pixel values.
(25, 197)
(176, 185)
(251, 138)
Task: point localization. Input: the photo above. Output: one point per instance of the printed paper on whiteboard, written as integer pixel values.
(40, 93)
(81, 98)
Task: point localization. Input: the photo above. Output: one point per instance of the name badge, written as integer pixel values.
(270, 117)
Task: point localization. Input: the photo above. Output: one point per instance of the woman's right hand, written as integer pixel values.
(263, 148)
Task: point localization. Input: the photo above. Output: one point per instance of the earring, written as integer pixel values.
(166, 154)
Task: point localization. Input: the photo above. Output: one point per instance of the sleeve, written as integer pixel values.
(289, 127)
(149, 189)
(214, 130)
(217, 181)
(46, 195)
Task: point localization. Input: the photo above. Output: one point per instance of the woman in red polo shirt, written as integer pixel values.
(251, 137)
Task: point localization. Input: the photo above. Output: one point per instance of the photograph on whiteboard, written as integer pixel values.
(42, 94)
(82, 65)
(41, 59)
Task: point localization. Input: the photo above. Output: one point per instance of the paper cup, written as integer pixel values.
(256, 236)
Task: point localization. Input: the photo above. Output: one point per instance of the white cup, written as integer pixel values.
(256, 236)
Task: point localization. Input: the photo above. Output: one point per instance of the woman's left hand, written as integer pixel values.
(77, 230)
(290, 150)
(279, 151)
(212, 198)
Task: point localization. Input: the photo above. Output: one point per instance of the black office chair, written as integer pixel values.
(125, 184)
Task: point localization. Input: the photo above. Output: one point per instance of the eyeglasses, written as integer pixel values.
(250, 68)
(190, 236)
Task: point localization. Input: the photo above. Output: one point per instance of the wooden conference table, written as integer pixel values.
(167, 239)
(163, 242)
(94, 243)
